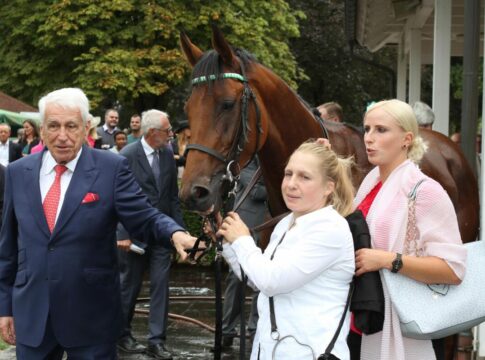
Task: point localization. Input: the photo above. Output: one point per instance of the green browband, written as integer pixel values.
(202, 79)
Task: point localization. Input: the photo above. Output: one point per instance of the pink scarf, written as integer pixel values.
(438, 235)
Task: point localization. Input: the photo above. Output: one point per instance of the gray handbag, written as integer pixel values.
(434, 311)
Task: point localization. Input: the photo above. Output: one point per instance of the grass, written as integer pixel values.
(3, 345)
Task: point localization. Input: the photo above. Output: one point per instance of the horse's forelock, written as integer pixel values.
(211, 62)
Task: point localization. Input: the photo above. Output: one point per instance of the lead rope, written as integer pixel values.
(218, 293)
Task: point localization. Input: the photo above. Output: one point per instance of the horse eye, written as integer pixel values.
(227, 105)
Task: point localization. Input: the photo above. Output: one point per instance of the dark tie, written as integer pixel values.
(51, 201)
(156, 168)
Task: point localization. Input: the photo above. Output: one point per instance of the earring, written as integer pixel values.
(404, 146)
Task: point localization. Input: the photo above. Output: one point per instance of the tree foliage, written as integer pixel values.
(128, 50)
(334, 74)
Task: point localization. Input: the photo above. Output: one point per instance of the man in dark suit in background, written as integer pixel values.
(153, 165)
(9, 151)
(59, 276)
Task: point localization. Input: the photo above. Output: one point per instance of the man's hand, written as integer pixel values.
(124, 245)
(7, 330)
(181, 241)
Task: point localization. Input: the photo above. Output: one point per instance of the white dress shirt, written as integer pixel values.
(309, 278)
(48, 175)
(148, 150)
(4, 153)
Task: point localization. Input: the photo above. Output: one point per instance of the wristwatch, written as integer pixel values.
(397, 263)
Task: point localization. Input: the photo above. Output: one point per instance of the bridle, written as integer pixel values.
(241, 131)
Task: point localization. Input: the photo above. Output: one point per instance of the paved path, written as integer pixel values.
(186, 340)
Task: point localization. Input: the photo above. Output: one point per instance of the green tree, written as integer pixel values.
(127, 50)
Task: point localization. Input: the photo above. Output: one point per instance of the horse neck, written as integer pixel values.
(280, 106)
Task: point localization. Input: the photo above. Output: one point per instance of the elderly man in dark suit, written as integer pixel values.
(152, 162)
(9, 151)
(59, 277)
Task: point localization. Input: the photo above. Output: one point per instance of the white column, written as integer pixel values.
(441, 65)
(414, 66)
(402, 68)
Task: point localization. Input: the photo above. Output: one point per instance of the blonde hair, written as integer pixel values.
(404, 116)
(336, 170)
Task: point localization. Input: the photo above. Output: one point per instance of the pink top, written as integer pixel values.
(37, 148)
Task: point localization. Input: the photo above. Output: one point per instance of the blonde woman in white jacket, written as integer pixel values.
(308, 265)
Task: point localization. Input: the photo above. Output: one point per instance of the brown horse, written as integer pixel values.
(238, 108)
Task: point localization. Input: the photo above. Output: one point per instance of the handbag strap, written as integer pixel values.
(330, 346)
(411, 241)
(272, 316)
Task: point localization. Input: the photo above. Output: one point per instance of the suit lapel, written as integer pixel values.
(143, 161)
(81, 182)
(31, 182)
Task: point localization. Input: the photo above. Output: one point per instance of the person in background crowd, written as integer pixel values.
(2, 191)
(456, 138)
(92, 138)
(424, 115)
(59, 289)
(106, 132)
(331, 111)
(181, 140)
(20, 135)
(135, 127)
(9, 151)
(120, 141)
(38, 148)
(253, 211)
(152, 163)
(308, 265)
(31, 136)
(395, 148)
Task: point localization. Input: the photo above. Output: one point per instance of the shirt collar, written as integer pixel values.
(49, 163)
(6, 143)
(312, 216)
(147, 148)
(108, 130)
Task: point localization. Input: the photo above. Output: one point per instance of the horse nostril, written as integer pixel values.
(200, 192)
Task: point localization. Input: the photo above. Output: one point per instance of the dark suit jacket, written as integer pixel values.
(2, 190)
(166, 200)
(72, 274)
(253, 210)
(14, 151)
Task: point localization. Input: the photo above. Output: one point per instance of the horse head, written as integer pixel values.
(225, 121)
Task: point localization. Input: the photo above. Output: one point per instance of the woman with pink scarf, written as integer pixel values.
(394, 146)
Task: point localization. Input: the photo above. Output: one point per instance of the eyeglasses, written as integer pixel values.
(167, 130)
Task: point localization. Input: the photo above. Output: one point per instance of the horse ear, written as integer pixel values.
(192, 52)
(222, 46)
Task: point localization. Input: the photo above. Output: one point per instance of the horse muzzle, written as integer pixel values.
(204, 197)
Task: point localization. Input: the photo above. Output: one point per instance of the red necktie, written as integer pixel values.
(51, 201)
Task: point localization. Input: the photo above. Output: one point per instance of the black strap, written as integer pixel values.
(272, 316)
(256, 176)
(206, 150)
(330, 346)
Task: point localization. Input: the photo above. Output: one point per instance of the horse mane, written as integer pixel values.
(211, 62)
